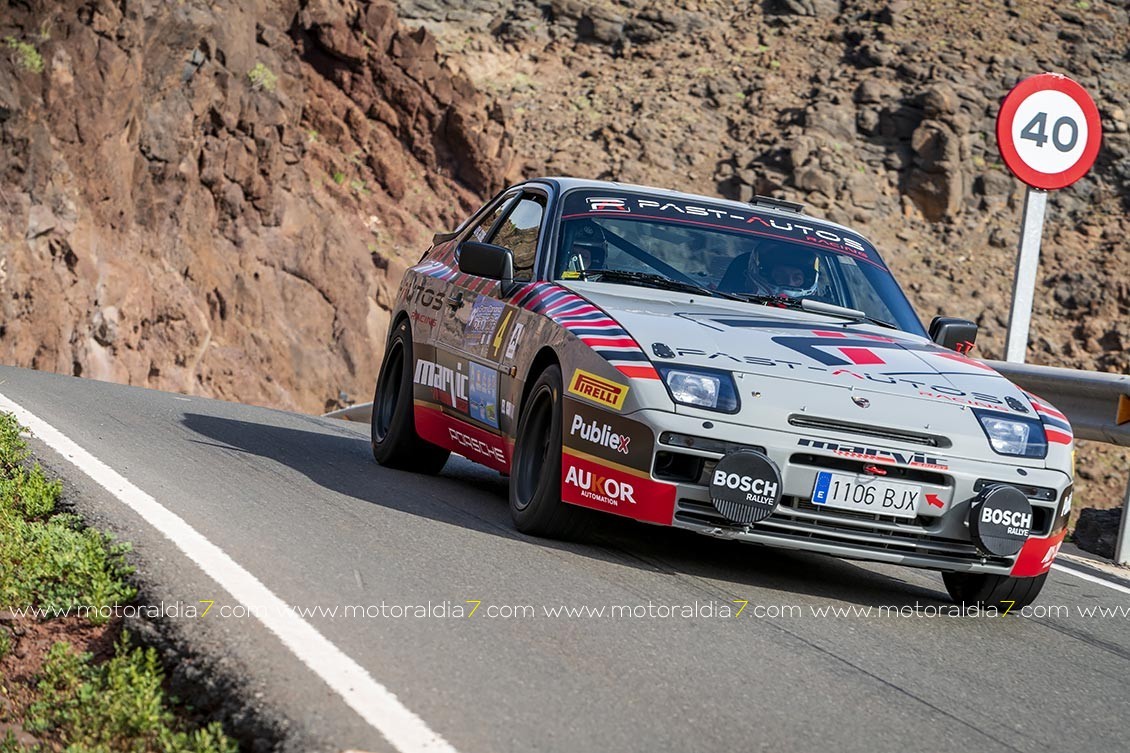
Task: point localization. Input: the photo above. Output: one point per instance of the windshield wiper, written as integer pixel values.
(815, 307)
(653, 280)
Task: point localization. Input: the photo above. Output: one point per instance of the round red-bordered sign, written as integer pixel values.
(1048, 131)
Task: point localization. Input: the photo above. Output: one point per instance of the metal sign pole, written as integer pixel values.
(1024, 284)
(1122, 546)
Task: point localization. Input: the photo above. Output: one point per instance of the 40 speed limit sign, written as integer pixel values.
(1048, 131)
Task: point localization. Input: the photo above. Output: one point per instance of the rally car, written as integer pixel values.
(742, 370)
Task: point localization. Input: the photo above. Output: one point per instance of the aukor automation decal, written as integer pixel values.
(604, 489)
(876, 455)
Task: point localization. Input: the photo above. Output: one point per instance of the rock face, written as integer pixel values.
(220, 199)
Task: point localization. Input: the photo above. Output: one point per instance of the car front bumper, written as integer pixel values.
(687, 447)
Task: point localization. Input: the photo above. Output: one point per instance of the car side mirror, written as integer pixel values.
(486, 260)
(953, 333)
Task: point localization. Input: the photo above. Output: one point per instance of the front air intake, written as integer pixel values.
(868, 430)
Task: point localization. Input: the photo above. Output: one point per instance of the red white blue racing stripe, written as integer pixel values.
(590, 325)
(1056, 425)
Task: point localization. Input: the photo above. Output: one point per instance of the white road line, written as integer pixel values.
(1092, 578)
(375, 703)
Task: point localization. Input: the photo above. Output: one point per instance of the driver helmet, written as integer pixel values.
(588, 246)
(785, 269)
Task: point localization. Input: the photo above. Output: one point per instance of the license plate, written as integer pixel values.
(866, 494)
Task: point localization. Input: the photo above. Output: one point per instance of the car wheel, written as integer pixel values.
(535, 473)
(1002, 592)
(393, 426)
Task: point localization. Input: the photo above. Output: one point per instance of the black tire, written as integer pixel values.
(535, 474)
(1002, 592)
(393, 427)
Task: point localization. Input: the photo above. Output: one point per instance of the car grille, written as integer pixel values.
(798, 520)
(827, 462)
(869, 430)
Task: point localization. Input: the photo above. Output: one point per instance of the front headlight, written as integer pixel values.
(1009, 435)
(701, 388)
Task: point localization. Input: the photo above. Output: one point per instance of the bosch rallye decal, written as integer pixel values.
(1000, 520)
(745, 487)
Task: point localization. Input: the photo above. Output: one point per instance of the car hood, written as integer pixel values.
(804, 347)
(815, 353)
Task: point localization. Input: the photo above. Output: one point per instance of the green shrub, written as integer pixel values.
(25, 55)
(60, 565)
(262, 78)
(118, 705)
(13, 448)
(50, 560)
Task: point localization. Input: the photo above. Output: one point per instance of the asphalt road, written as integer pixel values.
(298, 502)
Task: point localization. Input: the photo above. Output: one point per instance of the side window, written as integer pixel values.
(519, 233)
(479, 232)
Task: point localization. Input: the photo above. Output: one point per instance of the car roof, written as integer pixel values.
(567, 183)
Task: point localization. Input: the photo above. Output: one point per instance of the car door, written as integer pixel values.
(479, 323)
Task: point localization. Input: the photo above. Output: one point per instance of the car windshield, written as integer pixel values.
(747, 253)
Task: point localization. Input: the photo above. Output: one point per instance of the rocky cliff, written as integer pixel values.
(219, 198)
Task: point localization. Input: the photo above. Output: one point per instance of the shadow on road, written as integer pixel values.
(336, 455)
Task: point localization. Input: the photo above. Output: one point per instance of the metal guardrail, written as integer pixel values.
(1097, 404)
(360, 412)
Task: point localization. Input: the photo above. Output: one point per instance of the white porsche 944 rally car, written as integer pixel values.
(740, 370)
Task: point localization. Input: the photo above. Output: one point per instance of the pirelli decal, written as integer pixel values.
(597, 389)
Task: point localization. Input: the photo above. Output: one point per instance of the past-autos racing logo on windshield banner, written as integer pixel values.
(643, 207)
